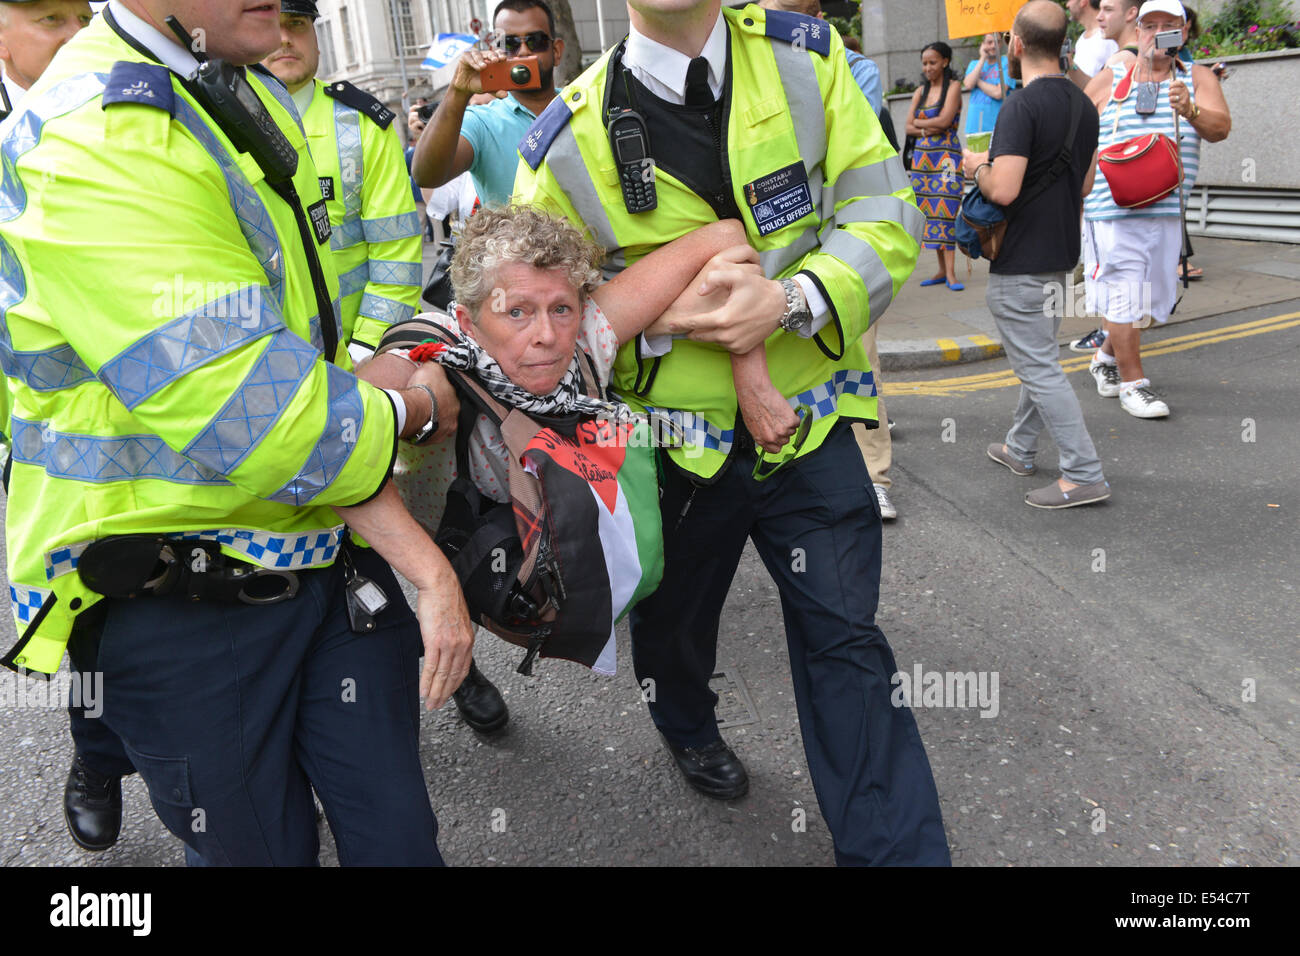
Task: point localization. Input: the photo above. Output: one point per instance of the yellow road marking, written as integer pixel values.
(1007, 378)
(950, 349)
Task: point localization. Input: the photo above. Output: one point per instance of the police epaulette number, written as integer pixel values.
(797, 29)
(361, 101)
(542, 133)
(147, 84)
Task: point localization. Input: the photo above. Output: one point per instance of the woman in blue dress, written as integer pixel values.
(936, 158)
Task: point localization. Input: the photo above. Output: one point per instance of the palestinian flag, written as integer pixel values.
(601, 487)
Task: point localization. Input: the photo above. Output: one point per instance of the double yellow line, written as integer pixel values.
(1007, 378)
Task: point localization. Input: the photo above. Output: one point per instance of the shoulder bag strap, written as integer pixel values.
(1060, 165)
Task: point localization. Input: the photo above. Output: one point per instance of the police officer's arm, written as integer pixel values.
(442, 153)
(243, 396)
(392, 292)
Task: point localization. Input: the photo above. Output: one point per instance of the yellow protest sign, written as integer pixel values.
(969, 18)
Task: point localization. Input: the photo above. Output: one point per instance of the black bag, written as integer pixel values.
(438, 292)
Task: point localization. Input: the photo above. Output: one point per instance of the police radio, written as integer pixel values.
(227, 95)
(630, 141)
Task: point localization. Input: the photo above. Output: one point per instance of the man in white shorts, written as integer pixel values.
(1138, 248)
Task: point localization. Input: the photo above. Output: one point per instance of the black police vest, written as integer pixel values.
(688, 142)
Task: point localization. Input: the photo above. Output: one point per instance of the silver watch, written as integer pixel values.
(797, 314)
(431, 425)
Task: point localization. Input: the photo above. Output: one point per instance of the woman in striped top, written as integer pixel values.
(1133, 253)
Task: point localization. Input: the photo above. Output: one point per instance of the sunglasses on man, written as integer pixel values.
(539, 41)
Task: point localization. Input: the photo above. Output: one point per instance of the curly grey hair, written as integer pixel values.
(499, 236)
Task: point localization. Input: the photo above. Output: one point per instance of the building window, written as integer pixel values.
(349, 50)
(405, 28)
(325, 40)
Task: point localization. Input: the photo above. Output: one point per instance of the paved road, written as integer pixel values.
(1119, 690)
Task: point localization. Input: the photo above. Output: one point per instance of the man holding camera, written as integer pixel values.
(1137, 248)
(376, 227)
(483, 139)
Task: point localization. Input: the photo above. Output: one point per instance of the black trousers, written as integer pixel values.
(816, 525)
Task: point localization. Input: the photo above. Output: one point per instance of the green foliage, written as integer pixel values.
(902, 86)
(1248, 26)
(846, 28)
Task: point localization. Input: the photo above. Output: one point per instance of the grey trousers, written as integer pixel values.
(1021, 305)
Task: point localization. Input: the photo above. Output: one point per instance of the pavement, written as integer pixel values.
(934, 326)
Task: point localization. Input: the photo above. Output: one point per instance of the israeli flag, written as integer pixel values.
(446, 47)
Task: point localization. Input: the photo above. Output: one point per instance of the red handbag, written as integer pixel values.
(1141, 170)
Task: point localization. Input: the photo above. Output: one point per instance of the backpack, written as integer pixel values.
(579, 543)
(982, 225)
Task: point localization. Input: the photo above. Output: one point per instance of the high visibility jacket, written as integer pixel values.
(793, 102)
(159, 338)
(376, 234)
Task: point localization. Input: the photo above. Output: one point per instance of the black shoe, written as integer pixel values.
(92, 807)
(480, 703)
(714, 769)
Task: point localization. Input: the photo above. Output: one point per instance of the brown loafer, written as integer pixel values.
(1016, 467)
(1053, 497)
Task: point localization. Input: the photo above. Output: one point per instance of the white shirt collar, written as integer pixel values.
(176, 57)
(302, 99)
(648, 58)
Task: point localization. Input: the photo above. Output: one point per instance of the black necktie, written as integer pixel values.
(697, 83)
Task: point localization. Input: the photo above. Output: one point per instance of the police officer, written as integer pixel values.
(181, 448)
(730, 114)
(363, 177)
(31, 32)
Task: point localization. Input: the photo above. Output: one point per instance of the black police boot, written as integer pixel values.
(713, 769)
(480, 703)
(92, 807)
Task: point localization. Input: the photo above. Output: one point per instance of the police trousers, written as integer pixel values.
(233, 714)
(816, 526)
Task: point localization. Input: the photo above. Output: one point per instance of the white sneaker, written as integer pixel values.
(1141, 402)
(1107, 378)
(887, 510)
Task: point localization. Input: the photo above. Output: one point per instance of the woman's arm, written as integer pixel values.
(642, 292)
(911, 127)
(950, 107)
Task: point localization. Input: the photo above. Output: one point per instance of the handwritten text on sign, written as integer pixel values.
(968, 18)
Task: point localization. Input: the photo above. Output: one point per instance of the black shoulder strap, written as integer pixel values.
(361, 101)
(1060, 165)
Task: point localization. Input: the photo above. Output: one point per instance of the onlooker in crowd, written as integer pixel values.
(416, 120)
(1027, 281)
(31, 32)
(1139, 249)
(1093, 48)
(484, 139)
(936, 158)
(864, 70)
(1118, 22)
(987, 80)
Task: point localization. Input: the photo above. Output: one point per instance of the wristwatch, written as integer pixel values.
(431, 425)
(797, 314)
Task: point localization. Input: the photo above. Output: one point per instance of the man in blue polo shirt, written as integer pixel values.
(483, 139)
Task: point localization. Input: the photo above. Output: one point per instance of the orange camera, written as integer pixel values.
(516, 74)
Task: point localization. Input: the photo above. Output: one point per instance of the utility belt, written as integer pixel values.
(129, 566)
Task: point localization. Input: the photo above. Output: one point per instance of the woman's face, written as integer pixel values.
(529, 324)
(932, 65)
(989, 47)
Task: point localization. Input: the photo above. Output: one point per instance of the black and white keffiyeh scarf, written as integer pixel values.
(567, 398)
